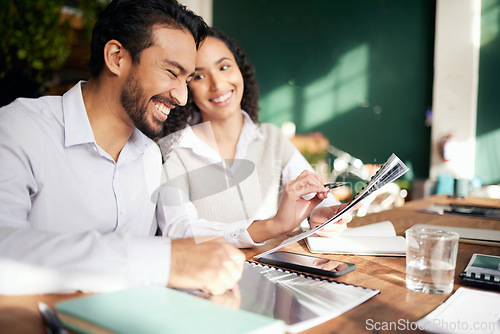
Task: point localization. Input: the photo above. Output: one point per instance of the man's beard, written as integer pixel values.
(136, 106)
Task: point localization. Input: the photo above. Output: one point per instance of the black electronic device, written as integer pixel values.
(308, 264)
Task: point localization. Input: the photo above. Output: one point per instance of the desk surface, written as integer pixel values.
(395, 303)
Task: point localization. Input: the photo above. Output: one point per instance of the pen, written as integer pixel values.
(53, 324)
(335, 185)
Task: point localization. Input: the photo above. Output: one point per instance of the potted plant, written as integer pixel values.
(36, 37)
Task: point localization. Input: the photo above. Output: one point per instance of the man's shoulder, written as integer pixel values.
(27, 108)
(29, 121)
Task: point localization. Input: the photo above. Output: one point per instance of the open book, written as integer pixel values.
(374, 239)
(391, 170)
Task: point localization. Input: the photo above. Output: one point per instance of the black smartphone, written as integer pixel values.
(308, 264)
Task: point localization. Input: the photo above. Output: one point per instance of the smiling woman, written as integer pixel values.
(227, 174)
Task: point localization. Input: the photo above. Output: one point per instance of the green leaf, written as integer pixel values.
(22, 54)
(37, 64)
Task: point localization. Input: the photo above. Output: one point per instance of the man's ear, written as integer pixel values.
(116, 58)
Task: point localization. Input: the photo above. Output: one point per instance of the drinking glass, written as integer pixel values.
(431, 256)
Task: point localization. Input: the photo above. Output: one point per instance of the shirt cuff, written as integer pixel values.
(149, 260)
(236, 234)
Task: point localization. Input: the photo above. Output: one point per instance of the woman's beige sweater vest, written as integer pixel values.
(249, 189)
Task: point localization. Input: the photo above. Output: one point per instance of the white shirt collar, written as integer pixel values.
(77, 129)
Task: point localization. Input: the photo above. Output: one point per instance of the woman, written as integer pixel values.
(228, 175)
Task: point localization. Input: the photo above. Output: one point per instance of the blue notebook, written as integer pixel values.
(155, 309)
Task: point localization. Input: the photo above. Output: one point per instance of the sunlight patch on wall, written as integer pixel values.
(343, 88)
(487, 157)
(490, 16)
(278, 105)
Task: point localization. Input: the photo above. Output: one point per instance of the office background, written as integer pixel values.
(359, 71)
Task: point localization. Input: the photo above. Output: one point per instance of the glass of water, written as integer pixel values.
(431, 256)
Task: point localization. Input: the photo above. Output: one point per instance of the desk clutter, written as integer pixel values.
(463, 308)
(269, 300)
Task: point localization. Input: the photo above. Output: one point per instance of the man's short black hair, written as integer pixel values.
(131, 23)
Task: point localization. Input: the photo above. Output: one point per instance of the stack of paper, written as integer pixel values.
(374, 239)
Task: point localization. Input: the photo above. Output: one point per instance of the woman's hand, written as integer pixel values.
(293, 208)
(321, 215)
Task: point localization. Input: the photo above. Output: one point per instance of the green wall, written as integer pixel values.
(488, 113)
(359, 71)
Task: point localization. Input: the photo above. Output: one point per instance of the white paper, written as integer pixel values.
(382, 229)
(387, 246)
(466, 311)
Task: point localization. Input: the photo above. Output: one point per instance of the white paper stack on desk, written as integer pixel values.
(374, 239)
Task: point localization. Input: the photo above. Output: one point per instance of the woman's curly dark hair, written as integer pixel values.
(190, 113)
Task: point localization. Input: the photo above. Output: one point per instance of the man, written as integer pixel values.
(78, 172)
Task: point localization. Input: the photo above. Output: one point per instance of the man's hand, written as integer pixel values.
(213, 266)
(321, 215)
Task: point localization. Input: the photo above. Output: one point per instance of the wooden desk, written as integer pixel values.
(395, 303)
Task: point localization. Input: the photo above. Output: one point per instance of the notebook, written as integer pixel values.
(483, 271)
(154, 309)
(374, 239)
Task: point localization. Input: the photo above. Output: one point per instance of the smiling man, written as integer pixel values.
(79, 171)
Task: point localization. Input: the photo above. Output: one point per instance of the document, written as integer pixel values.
(390, 171)
(466, 311)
